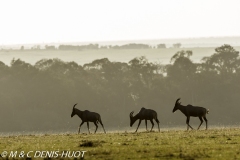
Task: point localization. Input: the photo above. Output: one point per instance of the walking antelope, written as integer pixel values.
(193, 111)
(87, 116)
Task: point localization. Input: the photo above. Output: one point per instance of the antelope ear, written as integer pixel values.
(131, 114)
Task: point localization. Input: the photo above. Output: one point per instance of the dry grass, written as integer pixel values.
(211, 144)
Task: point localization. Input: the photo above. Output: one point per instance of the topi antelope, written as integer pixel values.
(144, 114)
(193, 111)
(87, 116)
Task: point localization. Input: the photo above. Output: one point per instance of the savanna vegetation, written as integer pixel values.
(212, 144)
(40, 97)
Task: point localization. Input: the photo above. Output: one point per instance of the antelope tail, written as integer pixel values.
(207, 111)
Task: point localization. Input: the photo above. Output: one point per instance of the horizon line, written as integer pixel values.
(126, 40)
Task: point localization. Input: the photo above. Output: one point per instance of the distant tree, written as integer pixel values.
(182, 67)
(161, 46)
(36, 47)
(160, 68)
(177, 45)
(21, 65)
(103, 47)
(3, 69)
(142, 71)
(141, 65)
(49, 47)
(181, 53)
(225, 60)
(71, 47)
(22, 48)
(93, 46)
(96, 64)
(68, 47)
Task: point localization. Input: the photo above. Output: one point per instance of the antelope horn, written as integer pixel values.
(74, 105)
(177, 101)
(131, 114)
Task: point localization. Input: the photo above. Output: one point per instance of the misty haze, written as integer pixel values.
(136, 77)
(123, 79)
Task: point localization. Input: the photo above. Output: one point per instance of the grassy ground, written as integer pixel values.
(212, 144)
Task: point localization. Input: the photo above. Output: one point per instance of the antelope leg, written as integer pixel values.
(138, 124)
(206, 122)
(201, 122)
(96, 127)
(80, 127)
(88, 127)
(152, 124)
(188, 119)
(146, 124)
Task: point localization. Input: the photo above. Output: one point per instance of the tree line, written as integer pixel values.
(125, 46)
(41, 96)
(97, 46)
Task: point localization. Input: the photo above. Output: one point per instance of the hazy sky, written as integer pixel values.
(45, 21)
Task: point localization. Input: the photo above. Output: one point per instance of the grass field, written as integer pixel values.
(175, 144)
(87, 56)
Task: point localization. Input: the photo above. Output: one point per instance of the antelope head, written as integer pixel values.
(176, 107)
(73, 110)
(131, 119)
